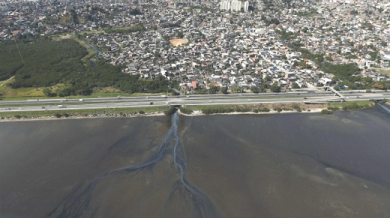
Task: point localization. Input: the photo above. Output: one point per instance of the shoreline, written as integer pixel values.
(46, 118)
(199, 113)
(203, 110)
(153, 114)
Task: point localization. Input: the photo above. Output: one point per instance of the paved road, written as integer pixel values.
(245, 99)
(199, 97)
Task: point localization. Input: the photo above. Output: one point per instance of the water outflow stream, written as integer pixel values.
(196, 203)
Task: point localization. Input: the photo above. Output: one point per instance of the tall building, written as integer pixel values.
(233, 5)
(236, 5)
(225, 5)
(246, 6)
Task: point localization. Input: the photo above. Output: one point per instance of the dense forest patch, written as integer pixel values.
(46, 63)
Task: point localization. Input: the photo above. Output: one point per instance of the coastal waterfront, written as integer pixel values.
(288, 165)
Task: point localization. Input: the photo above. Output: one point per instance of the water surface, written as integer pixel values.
(287, 165)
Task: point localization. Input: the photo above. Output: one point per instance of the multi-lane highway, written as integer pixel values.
(149, 101)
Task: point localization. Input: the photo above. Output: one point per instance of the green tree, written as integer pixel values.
(295, 86)
(255, 89)
(224, 90)
(212, 89)
(135, 11)
(47, 92)
(275, 87)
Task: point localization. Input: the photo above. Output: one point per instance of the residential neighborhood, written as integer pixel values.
(289, 44)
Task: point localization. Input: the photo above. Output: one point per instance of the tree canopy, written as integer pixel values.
(47, 63)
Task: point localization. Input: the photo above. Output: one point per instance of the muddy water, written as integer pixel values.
(293, 165)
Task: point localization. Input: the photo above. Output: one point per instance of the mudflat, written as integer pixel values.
(288, 165)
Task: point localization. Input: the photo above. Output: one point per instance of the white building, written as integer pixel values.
(234, 5)
(246, 6)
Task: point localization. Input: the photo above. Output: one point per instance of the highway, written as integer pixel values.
(100, 103)
(198, 97)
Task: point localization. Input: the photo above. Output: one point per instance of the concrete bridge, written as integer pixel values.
(337, 93)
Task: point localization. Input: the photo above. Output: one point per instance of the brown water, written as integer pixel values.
(293, 165)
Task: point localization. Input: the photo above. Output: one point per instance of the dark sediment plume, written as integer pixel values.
(184, 199)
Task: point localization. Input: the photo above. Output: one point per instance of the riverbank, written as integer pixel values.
(188, 110)
(82, 114)
(276, 108)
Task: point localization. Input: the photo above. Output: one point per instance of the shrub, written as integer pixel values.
(186, 110)
(266, 110)
(333, 108)
(170, 111)
(57, 115)
(296, 107)
(17, 116)
(141, 112)
(324, 111)
(278, 109)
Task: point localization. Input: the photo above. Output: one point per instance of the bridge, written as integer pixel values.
(337, 93)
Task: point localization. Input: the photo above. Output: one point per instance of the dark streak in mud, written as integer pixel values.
(198, 203)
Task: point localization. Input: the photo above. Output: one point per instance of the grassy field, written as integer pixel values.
(360, 104)
(86, 112)
(10, 94)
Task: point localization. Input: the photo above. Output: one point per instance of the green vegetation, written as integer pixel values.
(48, 63)
(186, 110)
(130, 29)
(135, 11)
(86, 112)
(326, 111)
(224, 90)
(275, 87)
(255, 108)
(349, 74)
(255, 89)
(212, 89)
(350, 105)
(269, 22)
(278, 109)
(169, 111)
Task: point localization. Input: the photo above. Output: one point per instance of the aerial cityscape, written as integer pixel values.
(232, 44)
(203, 108)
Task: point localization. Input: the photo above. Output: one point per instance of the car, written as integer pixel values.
(43, 108)
(210, 101)
(188, 96)
(151, 103)
(81, 100)
(304, 98)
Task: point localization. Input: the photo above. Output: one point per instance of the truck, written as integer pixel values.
(61, 106)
